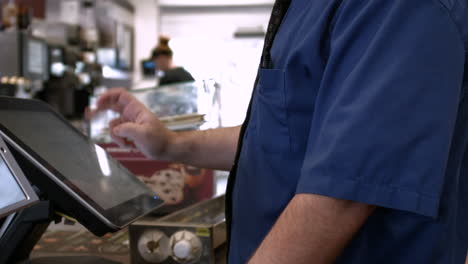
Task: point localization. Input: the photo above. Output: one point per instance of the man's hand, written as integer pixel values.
(140, 128)
(137, 126)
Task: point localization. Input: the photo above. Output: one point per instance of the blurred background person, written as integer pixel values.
(169, 73)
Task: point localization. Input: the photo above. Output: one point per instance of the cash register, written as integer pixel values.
(48, 166)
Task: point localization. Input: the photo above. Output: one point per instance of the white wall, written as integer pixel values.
(146, 31)
(202, 37)
(203, 42)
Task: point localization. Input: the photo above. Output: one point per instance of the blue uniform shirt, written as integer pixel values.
(366, 101)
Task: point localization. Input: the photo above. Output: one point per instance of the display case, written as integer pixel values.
(184, 106)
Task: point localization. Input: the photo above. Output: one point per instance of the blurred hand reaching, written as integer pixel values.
(137, 126)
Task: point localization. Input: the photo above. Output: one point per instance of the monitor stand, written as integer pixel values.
(20, 232)
(24, 229)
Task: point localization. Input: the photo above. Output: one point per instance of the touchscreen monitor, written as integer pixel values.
(15, 190)
(72, 163)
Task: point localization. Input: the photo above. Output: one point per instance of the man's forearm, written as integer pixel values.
(213, 148)
(312, 229)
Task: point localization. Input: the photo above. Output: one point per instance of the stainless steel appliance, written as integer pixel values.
(193, 235)
(24, 65)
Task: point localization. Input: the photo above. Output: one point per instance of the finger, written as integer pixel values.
(115, 99)
(87, 114)
(91, 113)
(124, 103)
(115, 122)
(133, 110)
(128, 131)
(122, 142)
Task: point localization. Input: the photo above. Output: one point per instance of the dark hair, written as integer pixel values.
(162, 48)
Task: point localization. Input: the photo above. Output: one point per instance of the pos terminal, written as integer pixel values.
(69, 172)
(15, 192)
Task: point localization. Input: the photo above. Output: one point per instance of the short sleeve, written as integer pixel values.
(387, 106)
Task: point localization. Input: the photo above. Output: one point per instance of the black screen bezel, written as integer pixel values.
(29, 193)
(118, 216)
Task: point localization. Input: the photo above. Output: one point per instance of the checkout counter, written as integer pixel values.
(55, 172)
(63, 174)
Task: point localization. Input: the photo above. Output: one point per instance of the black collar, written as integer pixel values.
(279, 11)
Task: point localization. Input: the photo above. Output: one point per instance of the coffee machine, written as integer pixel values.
(60, 88)
(24, 66)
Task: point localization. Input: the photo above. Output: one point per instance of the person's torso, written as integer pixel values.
(175, 75)
(275, 142)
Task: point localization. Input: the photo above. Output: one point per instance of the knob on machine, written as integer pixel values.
(197, 235)
(186, 247)
(154, 246)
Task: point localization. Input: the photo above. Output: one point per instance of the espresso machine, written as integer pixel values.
(63, 82)
(24, 66)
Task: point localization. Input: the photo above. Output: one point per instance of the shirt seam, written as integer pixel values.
(421, 197)
(454, 23)
(390, 186)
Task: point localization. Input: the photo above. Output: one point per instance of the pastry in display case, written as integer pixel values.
(179, 185)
